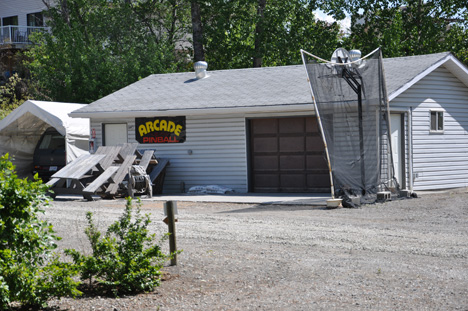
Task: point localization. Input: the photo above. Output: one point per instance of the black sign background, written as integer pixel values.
(160, 130)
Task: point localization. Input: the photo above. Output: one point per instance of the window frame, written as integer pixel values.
(439, 117)
(35, 18)
(9, 20)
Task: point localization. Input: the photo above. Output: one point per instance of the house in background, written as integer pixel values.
(18, 19)
(255, 130)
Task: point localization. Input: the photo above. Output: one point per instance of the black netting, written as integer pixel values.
(353, 111)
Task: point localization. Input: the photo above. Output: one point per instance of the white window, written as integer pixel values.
(437, 121)
(114, 134)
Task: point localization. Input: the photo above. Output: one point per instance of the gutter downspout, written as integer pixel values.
(410, 148)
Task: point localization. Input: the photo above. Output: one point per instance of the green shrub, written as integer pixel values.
(126, 259)
(12, 94)
(30, 272)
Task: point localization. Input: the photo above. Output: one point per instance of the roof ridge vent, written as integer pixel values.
(200, 69)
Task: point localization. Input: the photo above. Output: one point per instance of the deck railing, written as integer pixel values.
(18, 34)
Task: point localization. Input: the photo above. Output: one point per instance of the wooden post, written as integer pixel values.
(170, 207)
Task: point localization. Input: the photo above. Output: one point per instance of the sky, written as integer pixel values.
(345, 23)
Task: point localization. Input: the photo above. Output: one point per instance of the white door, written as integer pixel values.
(115, 134)
(395, 124)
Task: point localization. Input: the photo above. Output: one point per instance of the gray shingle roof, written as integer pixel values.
(401, 70)
(252, 87)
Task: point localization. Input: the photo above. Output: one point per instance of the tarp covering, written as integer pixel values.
(22, 128)
(353, 110)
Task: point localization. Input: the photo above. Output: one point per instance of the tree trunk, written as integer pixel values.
(418, 24)
(259, 35)
(199, 54)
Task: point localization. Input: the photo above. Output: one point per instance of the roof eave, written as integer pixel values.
(194, 112)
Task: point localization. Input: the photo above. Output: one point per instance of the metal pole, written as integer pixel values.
(361, 140)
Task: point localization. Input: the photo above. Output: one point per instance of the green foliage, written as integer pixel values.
(126, 259)
(288, 26)
(96, 47)
(12, 95)
(409, 27)
(30, 272)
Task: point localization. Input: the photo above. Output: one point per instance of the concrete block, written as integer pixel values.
(384, 196)
(405, 193)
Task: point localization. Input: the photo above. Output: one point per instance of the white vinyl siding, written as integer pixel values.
(440, 159)
(20, 8)
(215, 152)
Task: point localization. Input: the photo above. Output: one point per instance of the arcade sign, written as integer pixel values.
(160, 130)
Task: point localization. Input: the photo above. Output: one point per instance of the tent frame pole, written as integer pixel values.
(332, 187)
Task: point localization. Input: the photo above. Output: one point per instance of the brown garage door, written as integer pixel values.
(287, 155)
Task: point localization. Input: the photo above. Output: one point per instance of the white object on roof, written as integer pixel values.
(200, 69)
(22, 128)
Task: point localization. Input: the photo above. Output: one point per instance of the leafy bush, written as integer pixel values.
(12, 94)
(126, 259)
(30, 272)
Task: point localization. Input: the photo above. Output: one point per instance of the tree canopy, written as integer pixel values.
(96, 47)
(249, 33)
(409, 27)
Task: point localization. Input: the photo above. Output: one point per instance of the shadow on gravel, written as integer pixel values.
(275, 208)
(34, 309)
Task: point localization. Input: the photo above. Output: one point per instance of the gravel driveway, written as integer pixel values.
(401, 255)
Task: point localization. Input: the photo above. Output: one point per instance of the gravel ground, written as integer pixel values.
(401, 255)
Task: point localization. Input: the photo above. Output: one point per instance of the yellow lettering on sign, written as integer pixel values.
(160, 126)
(163, 125)
(142, 130)
(149, 126)
(170, 126)
(178, 129)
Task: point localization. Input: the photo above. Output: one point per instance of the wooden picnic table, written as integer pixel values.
(104, 172)
(74, 172)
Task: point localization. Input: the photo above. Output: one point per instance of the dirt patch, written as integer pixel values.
(401, 255)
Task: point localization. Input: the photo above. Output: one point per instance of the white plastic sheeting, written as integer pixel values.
(22, 128)
(212, 189)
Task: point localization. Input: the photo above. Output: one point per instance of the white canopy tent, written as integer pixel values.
(22, 128)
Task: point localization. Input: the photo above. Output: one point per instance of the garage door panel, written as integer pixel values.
(291, 125)
(266, 180)
(314, 143)
(266, 163)
(292, 162)
(265, 126)
(311, 125)
(293, 181)
(292, 144)
(316, 162)
(265, 144)
(318, 180)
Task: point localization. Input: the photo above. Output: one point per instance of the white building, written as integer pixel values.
(18, 19)
(254, 130)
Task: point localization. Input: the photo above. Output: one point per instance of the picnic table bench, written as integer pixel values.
(72, 173)
(111, 153)
(104, 172)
